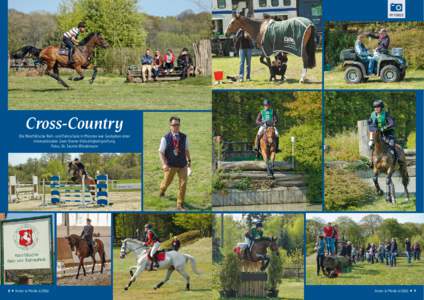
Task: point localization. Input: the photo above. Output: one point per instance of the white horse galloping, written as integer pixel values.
(173, 261)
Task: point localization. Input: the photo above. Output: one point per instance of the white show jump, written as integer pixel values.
(23, 191)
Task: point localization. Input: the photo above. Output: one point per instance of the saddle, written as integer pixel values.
(63, 51)
(160, 255)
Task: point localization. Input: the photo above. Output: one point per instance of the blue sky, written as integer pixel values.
(151, 7)
(402, 218)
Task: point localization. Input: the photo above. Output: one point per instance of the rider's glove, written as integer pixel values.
(371, 144)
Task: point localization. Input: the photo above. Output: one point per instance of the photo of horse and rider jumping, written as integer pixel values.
(105, 54)
(377, 55)
(74, 181)
(370, 151)
(177, 161)
(257, 255)
(267, 151)
(162, 256)
(364, 249)
(83, 239)
(251, 48)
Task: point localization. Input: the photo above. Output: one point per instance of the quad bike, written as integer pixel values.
(390, 67)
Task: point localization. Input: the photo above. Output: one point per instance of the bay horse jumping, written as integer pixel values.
(54, 57)
(77, 175)
(82, 250)
(258, 253)
(257, 29)
(268, 148)
(385, 162)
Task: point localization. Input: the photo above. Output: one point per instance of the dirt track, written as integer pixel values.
(122, 201)
(90, 279)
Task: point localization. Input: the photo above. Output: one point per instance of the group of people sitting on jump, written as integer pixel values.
(156, 64)
(365, 55)
(151, 239)
(329, 244)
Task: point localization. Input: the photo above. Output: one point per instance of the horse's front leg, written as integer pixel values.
(376, 184)
(303, 75)
(390, 189)
(55, 74)
(94, 75)
(168, 275)
(79, 268)
(134, 276)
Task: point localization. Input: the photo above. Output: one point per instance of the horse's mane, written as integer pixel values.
(85, 40)
(133, 240)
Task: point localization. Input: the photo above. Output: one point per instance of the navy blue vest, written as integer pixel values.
(179, 161)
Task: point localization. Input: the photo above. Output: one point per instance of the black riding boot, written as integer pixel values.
(257, 145)
(70, 56)
(277, 145)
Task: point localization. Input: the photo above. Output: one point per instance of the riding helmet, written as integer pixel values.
(148, 226)
(81, 24)
(266, 102)
(378, 103)
(259, 224)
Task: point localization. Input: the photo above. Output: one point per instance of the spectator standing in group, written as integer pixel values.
(393, 252)
(335, 237)
(328, 236)
(408, 250)
(417, 251)
(244, 46)
(320, 248)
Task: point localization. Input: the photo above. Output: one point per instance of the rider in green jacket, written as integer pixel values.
(254, 234)
(266, 117)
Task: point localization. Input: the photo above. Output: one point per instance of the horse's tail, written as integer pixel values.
(21, 53)
(191, 259)
(403, 169)
(308, 58)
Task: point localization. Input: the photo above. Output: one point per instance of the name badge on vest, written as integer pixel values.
(175, 152)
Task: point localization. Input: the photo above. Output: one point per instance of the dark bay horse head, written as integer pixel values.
(264, 243)
(95, 39)
(73, 241)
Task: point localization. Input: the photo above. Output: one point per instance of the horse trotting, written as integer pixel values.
(258, 251)
(171, 261)
(268, 148)
(384, 161)
(82, 250)
(270, 36)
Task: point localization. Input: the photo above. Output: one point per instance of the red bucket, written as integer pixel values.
(218, 75)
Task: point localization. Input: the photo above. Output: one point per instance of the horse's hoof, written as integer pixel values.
(126, 288)
(91, 81)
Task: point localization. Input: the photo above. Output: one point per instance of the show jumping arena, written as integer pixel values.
(56, 194)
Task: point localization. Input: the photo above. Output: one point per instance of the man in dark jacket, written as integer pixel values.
(87, 234)
(383, 40)
(393, 252)
(175, 158)
(176, 244)
(244, 46)
(408, 250)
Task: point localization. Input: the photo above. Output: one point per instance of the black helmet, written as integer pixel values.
(148, 226)
(266, 102)
(259, 224)
(81, 24)
(88, 220)
(378, 103)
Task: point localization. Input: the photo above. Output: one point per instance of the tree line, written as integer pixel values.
(371, 228)
(116, 166)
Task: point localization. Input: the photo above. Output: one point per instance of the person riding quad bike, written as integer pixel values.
(254, 234)
(364, 54)
(151, 240)
(382, 121)
(383, 40)
(70, 39)
(266, 116)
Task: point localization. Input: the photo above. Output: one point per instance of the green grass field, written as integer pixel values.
(197, 126)
(380, 204)
(289, 289)
(335, 80)
(370, 274)
(108, 92)
(174, 289)
(260, 74)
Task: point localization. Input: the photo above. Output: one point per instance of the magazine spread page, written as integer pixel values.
(212, 149)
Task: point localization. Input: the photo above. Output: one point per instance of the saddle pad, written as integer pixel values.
(286, 36)
(63, 51)
(161, 256)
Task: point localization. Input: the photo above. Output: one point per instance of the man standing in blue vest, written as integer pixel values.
(175, 157)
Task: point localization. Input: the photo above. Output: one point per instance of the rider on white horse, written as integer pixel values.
(266, 116)
(151, 240)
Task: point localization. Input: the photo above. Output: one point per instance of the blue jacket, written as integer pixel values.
(361, 50)
(146, 59)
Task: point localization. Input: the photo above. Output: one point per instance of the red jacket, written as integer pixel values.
(151, 238)
(328, 231)
(169, 58)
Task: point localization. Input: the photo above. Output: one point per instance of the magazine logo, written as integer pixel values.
(396, 9)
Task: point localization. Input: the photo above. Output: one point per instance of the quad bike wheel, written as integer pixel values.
(390, 73)
(353, 74)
